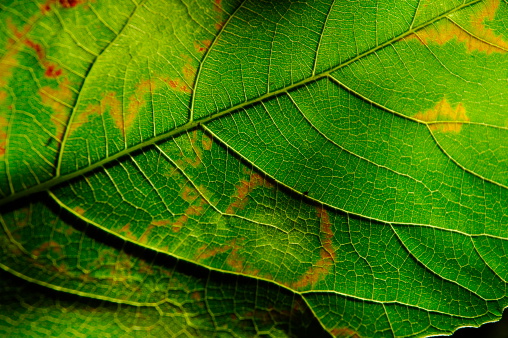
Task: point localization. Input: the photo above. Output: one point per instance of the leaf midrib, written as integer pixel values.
(60, 179)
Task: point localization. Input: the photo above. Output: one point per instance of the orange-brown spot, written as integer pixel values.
(344, 332)
(189, 72)
(161, 223)
(143, 239)
(9, 60)
(136, 102)
(51, 70)
(145, 268)
(192, 161)
(234, 259)
(192, 210)
(202, 46)
(177, 85)
(79, 210)
(217, 6)
(479, 38)
(83, 117)
(196, 296)
(205, 254)
(4, 124)
(243, 189)
(207, 142)
(51, 245)
(189, 194)
(46, 7)
(58, 100)
(125, 231)
(219, 12)
(444, 117)
(327, 254)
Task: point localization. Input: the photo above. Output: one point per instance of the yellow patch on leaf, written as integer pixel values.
(443, 117)
(479, 38)
(136, 102)
(327, 254)
(57, 100)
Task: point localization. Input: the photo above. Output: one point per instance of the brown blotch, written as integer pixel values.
(55, 98)
(183, 85)
(46, 7)
(187, 160)
(443, 117)
(127, 233)
(83, 117)
(484, 39)
(51, 245)
(136, 102)
(207, 142)
(4, 124)
(344, 332)
(79, 210)
(192, 210)
(202, 46)
(219, 12)
(50, 69)
(243, 189)
(178, 85)
(327, 253)
(205, 254)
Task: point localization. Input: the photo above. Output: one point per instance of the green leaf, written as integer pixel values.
(240, 168)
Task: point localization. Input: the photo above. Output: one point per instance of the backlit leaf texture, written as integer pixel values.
(240, 168)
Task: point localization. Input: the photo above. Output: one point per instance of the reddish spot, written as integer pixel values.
(217, 6)
(69, 3)
(51, 245)
(51, 70)
(243, 189)
(344, 332)
(219, 12)
(58, 99)
(444, 117)
(477, 38)
(46, 7)
(196, 296)
(218, 26)
(4, 124)
(327, 253)
(202, 46)
(178, 85)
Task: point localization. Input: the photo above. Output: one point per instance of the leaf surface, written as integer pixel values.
(321, 165)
